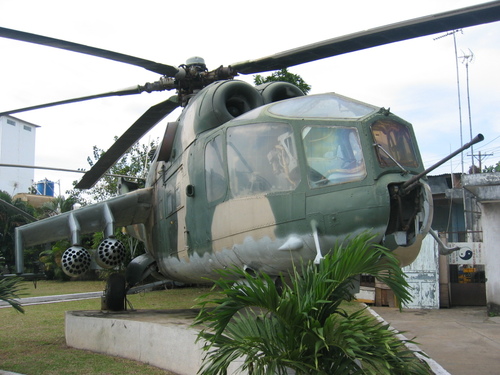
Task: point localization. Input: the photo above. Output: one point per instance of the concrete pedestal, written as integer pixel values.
(162, 338)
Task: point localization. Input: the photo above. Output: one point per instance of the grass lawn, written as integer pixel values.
(34, 342)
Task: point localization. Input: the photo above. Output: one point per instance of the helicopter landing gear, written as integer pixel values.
(115, 293)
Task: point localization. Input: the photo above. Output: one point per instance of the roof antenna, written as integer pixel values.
(466, 59)
(453, 33)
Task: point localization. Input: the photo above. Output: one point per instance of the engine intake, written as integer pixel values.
(75, 261)
(221, 102)
(275, 91)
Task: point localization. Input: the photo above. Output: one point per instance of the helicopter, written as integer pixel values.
(260, 178)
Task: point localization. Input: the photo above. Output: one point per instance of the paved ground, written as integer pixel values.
(463, 340)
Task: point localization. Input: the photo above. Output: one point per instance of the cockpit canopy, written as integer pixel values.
(316, 138)
(330, 105)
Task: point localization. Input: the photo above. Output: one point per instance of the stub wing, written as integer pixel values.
(124, 210)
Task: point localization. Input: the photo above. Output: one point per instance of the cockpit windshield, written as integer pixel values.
(333, 154)
(322, 106)
(394, 143)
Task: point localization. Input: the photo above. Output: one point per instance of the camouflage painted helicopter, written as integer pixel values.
(254, 177)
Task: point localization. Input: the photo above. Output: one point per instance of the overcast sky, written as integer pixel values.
(416, 78)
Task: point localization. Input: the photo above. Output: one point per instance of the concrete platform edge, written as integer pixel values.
(170, 346)
(166, 341)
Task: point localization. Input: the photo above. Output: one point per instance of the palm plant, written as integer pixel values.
(56, 206)
(52, 261)
(301, 327)
(9, 288)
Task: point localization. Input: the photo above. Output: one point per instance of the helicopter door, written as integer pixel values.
(173, 215)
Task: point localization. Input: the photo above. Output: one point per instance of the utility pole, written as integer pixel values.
(480, 157)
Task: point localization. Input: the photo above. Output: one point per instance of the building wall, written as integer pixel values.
(491, 218)
(17, 146)
(423, 277)
(486, 189)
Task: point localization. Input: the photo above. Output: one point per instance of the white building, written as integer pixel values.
(17, 146)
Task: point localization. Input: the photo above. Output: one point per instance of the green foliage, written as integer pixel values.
(135, 163)
(302, 326)
(284, 75)
(11, 217)
(56, 206)
(9, 289)
(492, 168)
(52, 261)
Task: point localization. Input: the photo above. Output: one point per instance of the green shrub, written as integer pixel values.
(301, 326)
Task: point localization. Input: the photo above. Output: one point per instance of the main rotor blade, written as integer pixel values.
(64, 170)
(455, 19)
(146, 122)
(124, 92)
(81, 48)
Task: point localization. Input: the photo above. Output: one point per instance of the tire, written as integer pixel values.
(115, 292)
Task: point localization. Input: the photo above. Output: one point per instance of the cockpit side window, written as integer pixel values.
(215, 179)
(262, 158)
(334, 155)
(394, 141)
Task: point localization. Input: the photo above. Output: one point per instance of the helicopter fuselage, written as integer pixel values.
(281, 184)
(247, 178)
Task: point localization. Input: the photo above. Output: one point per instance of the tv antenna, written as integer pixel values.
(453, 33)
(466, 59)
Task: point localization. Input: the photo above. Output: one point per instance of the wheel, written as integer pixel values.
(115, 293)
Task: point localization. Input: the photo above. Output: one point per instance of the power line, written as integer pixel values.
(479, 156)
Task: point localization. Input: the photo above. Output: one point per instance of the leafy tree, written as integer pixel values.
(135, 163)
(302, 326)
(13, 213)
(9, 288)
(56, 206)
(492, 168)
(284, 75)
(52, 261)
